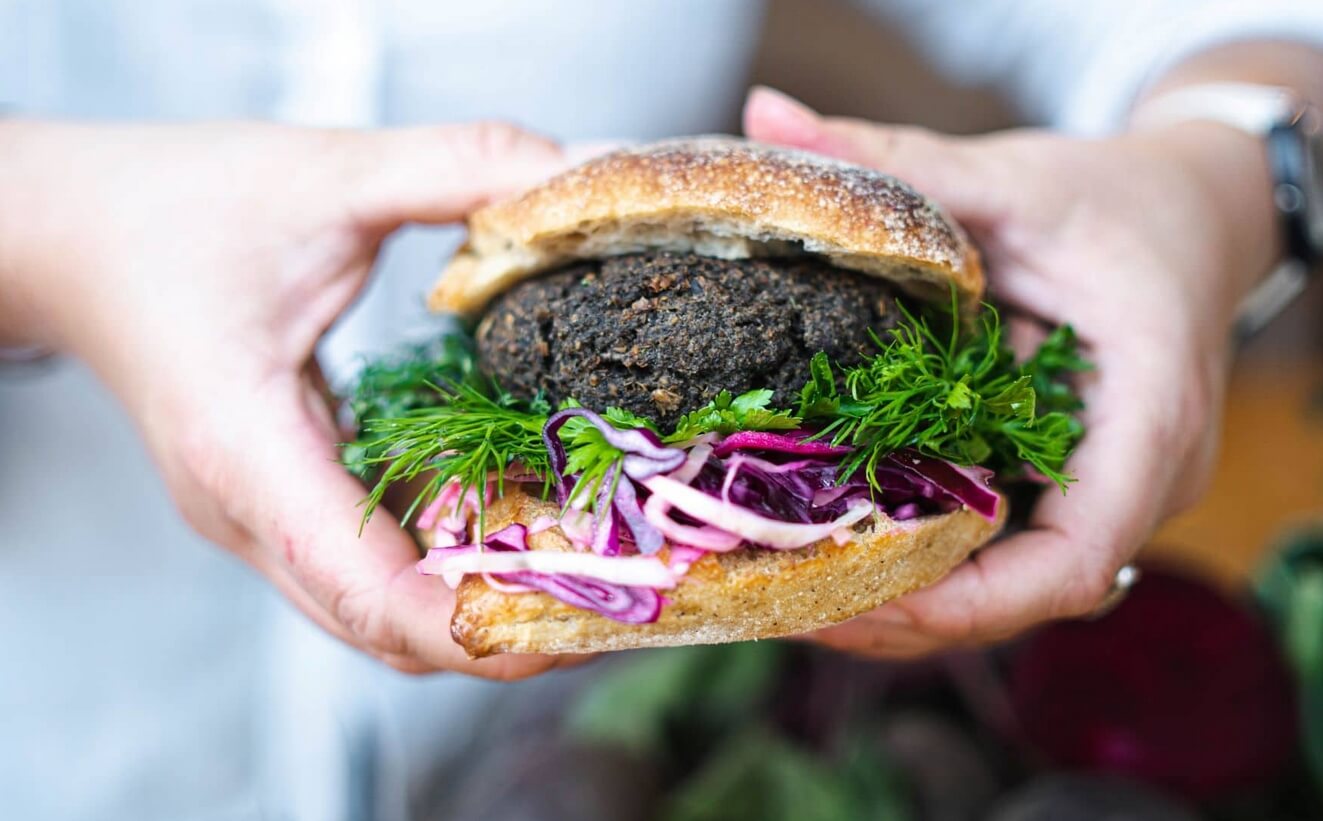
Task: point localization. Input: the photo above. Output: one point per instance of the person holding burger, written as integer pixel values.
(195, 268)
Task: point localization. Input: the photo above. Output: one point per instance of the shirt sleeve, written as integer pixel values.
(1079, 66)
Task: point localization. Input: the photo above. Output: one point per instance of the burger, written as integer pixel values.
(708, 391)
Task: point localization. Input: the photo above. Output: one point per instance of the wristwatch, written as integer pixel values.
(1293, 137)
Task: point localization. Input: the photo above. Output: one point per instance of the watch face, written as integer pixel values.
(1296, 153)
(1313, 187)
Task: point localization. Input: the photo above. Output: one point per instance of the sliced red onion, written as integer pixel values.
(705, 537)
(606, 530)
(632, 571)
(578, 528)
(647, 538)
(645, 455)
(509, 588)
(450, 512)
(747, 525)
(739, 460)
(445, 500)
(623, 603)
(779, 443)
(433, 564)
(909, 510)
(682, 557)
(969, 485)
(541, 524)
(826, 496)
(693, 463)
(511, 537)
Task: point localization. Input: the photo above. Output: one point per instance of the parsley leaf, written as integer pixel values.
(728, 414)
(588, 454)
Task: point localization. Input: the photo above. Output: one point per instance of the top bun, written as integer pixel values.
(721, 197)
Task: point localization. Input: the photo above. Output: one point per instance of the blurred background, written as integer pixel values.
(1200, 697)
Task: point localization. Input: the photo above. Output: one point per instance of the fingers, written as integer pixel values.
(439, 174)
(943, 168)
(286, 487)
(1065, 564)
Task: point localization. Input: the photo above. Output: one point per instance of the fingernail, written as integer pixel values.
(788, 118)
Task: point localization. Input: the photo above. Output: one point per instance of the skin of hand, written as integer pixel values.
(1145, 243)
(194, 268)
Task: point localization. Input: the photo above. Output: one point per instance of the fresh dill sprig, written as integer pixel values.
(948, 389)
(391, 387)
(466, 436)
(954, 392)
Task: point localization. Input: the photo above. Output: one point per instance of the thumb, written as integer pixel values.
(947, 169)
(439, 174)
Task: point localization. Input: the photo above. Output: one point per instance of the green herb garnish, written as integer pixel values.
(953, 392)
(588, 454)
(392, 387)
(466, 435)
(948, 389)
(729, 414)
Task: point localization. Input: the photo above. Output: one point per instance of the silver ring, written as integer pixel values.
(1125, 579)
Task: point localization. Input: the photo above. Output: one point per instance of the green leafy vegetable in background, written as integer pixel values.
(1290, 588)
(637, 701)
(710, 705)
(758, 775)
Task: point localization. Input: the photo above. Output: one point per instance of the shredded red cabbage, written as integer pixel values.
(645, 456)
(969, 485)
(755, 488)
(797, 444)
(624, 603)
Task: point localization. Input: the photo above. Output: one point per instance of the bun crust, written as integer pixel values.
(720, 197)
(746, 594)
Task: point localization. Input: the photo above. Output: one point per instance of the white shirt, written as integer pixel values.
(147, 675)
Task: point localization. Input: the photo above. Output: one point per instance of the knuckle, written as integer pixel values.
(202, 482)
(363, 614)
(1081, 595)
(496, 138)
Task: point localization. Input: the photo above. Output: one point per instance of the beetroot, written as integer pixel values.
(1179, 687)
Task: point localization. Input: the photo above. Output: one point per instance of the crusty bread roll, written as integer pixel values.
(726, 198)
(719, 197)
(745, 594)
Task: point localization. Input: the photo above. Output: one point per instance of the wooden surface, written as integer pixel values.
(1269, 475)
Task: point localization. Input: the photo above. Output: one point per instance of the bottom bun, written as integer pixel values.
(736, 596)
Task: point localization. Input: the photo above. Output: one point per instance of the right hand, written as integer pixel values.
(195, 268)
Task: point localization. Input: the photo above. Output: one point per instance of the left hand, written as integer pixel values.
(1145, 243)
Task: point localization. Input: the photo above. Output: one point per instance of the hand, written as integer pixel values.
(1145, 243)
(195, 268)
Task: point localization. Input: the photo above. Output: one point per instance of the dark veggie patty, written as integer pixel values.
(661, 334)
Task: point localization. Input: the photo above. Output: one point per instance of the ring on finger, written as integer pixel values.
(1125, 579)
